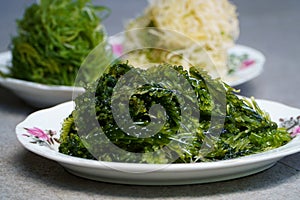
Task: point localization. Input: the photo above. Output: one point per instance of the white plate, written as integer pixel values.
(41, 96)
(242, 75)
(35, 94)
(155, 174)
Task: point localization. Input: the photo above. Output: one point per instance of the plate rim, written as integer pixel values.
(39, 86)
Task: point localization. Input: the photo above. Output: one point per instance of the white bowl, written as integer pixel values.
(35, 94)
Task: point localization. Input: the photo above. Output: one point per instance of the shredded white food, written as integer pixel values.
(210, 24)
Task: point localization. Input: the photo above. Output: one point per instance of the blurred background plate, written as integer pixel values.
(247, 63)
(35, 94)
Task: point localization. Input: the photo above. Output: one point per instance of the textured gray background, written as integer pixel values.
(271, 26)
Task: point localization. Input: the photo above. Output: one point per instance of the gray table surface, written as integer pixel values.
(271, 26)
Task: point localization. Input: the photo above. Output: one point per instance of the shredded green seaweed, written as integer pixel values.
(247, 129)
(54, 37)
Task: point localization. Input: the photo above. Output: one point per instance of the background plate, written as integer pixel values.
(247, 73)
(35, 94)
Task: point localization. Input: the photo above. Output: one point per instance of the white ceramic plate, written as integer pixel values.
(41, 96)
(255, 62)
(37, 95)
(155, 174)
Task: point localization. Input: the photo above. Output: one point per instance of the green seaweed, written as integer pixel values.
(246, 129)
(54, 37)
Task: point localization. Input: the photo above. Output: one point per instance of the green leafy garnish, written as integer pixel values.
(54, 37)
(246, 129)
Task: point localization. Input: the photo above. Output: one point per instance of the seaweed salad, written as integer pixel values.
(54, 37)
(93, 130)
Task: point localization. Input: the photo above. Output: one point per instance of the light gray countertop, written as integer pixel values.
(271, 26)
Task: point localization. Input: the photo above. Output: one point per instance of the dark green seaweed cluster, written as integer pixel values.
(54, 37)
(93, 124)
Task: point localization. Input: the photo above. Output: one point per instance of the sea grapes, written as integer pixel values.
(246, 129)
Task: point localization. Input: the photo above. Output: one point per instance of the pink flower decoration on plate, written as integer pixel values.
(296, 131)
(247, 63)
(117, 49)
(40, 134)
(42, 137)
